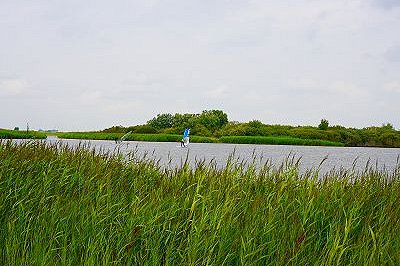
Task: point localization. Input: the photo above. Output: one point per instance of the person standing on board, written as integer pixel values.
(185, 139)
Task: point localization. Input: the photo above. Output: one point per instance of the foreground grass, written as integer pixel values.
(14, 134)
(133, 137)
(67, 206)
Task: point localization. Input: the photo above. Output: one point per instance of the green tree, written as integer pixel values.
(324, 124)
(145, 129)
(213, 120)
(184, 120)
(388, 127)
(255, 124)
(161, 121)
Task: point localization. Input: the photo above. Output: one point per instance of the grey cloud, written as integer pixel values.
(393, 54)
(129, 60)
(15, 87)
(386, 4)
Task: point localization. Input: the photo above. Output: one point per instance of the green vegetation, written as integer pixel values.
(214, 126)
(323, 125)
(177, 138)
(133, 137)
(385, 136)
(16, 134)
(277, 141)
(90, 135)
(205, 124)
(215, 123)
(71, 206)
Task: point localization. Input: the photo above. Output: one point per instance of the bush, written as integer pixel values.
(324, 124)
(145, 129)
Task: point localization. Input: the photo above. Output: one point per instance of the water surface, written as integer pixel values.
(172, 155)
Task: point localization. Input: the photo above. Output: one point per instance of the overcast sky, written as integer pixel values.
(88, 65)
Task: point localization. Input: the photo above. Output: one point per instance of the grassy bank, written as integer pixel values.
(216, 123)
(277, 141)
(133, 137)
(284, 140)
(90, 135)
(15, 134)
(72, 207)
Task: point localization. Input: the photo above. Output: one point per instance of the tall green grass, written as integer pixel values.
(90, 135)
(283, 140)
(14, 134)
(133, 137)
(73, 206)
(277, 140)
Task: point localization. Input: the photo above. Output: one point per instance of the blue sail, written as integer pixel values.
(186, 133)
(185, 140)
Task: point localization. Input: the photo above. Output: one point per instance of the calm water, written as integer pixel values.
(171, 155)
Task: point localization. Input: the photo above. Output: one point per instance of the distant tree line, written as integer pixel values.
(207, 123)
(384, 136)
(215, 123)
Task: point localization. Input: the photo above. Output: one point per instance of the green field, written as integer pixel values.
(15, 134)
(72, 206)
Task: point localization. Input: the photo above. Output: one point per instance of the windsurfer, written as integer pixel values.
(185, 140)
(182, 142)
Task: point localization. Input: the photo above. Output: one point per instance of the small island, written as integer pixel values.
(213, 126)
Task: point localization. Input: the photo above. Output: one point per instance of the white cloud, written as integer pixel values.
(91, 98)
(14, 87)
(250, 58)
(220, 92)
(305, 84)
(347, 88)
(393, 54)
(331, 87)
(393, 86)
(386, 4)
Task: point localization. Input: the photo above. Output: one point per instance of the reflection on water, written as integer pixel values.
(172, 155)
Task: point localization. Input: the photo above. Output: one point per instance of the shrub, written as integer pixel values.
(145, 129)
(324, 124)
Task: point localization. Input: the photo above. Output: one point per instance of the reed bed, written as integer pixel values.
(278, 140)
(16, 134)
(133, 137)
(90, 135)
(275, 140)
(75, 206)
